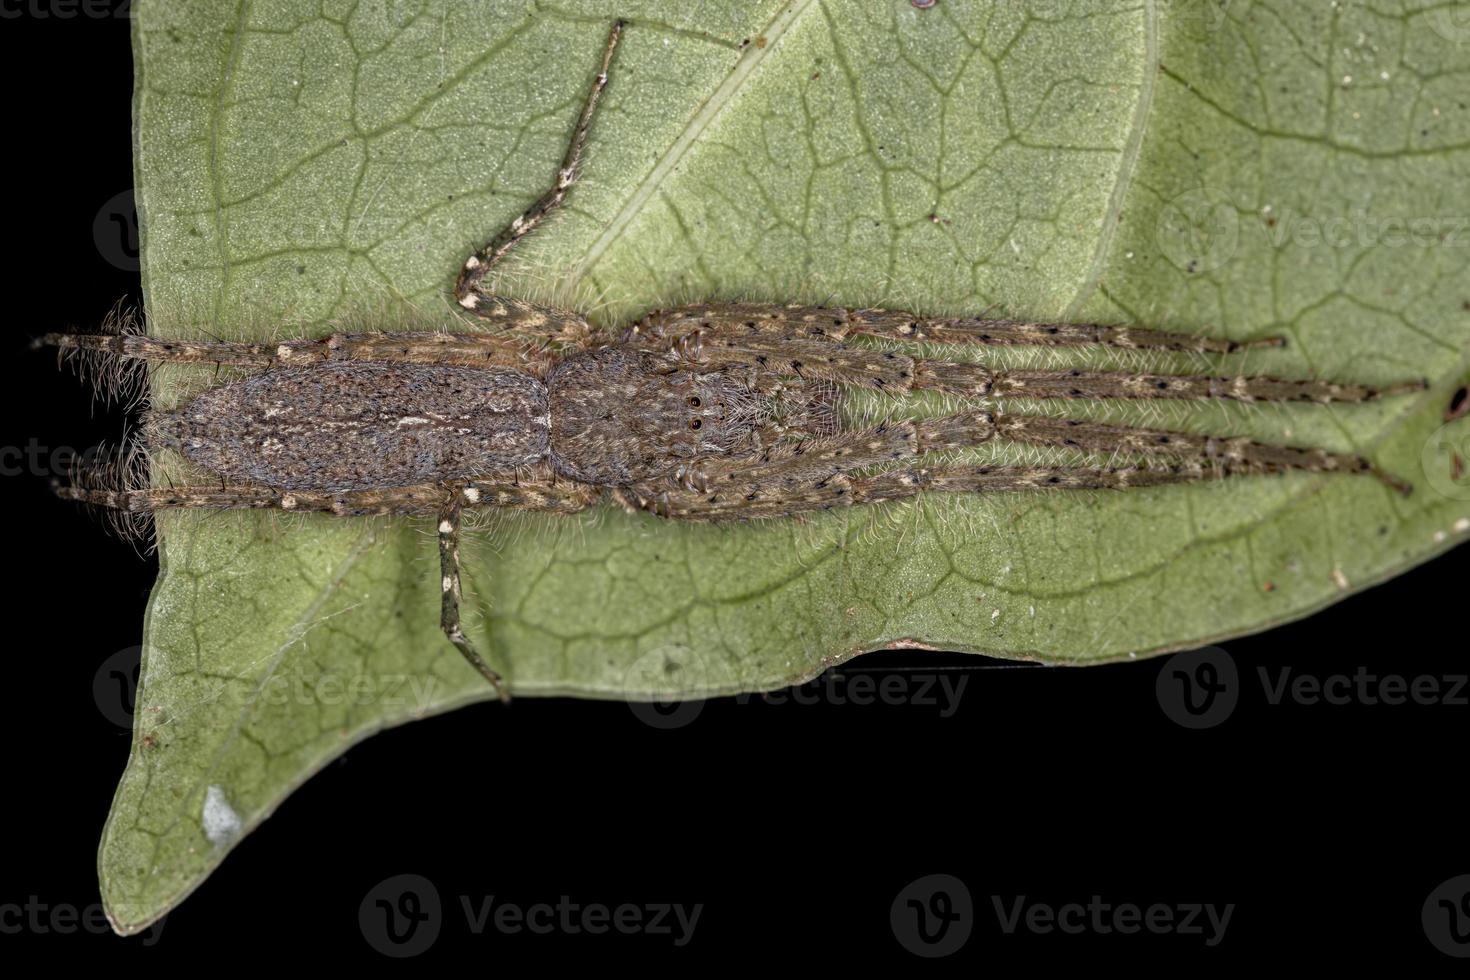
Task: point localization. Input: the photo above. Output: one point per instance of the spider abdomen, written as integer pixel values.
(362, 425)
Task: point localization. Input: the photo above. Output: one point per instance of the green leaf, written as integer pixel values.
(1234, 168)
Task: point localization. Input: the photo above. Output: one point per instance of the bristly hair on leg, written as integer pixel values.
(114, 380)
(117, 470)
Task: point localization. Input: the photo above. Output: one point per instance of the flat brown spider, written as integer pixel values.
(709, 412)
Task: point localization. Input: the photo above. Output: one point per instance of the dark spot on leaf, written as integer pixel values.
(1459, 404)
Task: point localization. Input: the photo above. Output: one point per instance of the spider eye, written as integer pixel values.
(695, 424)
(694, 401)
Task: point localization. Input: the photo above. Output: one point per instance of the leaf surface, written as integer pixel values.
(1241, 169)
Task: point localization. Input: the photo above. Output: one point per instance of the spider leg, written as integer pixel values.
(506, 493)
(817, 322)
(1235, 455)
(540, 492)
(445, 500)
(898, 325)
(469, 350)
(467, 287)
(972, 379)
(819, 473)
(845, 489)
(420, 499)
(746, 344)
(451, 591)
(545, 326)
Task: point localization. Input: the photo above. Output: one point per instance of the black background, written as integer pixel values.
(795, 825)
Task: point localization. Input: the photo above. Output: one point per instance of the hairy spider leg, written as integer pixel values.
(965, 379)
(1236, 455)
(844, 489)
(450, 591)
(816, 478)
(424, 347)
(833, 323)
(425, 498)
(791, 470)
(506, 492)
(730, 345)
(467, 288)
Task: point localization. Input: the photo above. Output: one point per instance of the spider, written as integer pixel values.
(706, 412)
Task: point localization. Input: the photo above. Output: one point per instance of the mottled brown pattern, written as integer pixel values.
(361, 426)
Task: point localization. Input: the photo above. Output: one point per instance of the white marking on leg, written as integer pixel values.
(448, 583)
(472, 495)
(445, 527)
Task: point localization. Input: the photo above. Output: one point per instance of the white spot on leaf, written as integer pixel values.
(221, 822)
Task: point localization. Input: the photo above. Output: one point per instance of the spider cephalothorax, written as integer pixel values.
(621, 416)
(708, 412)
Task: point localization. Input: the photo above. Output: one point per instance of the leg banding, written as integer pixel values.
(1120, 384)
(427, 498)
(545, 325)
(360, 503)
(410, 347)
(898, 325)
(977, 381)
(844, 490)
(833, 323)
(1235, 455)
(775, 340)
(821, 474)
(467, 286)
(451, 592)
